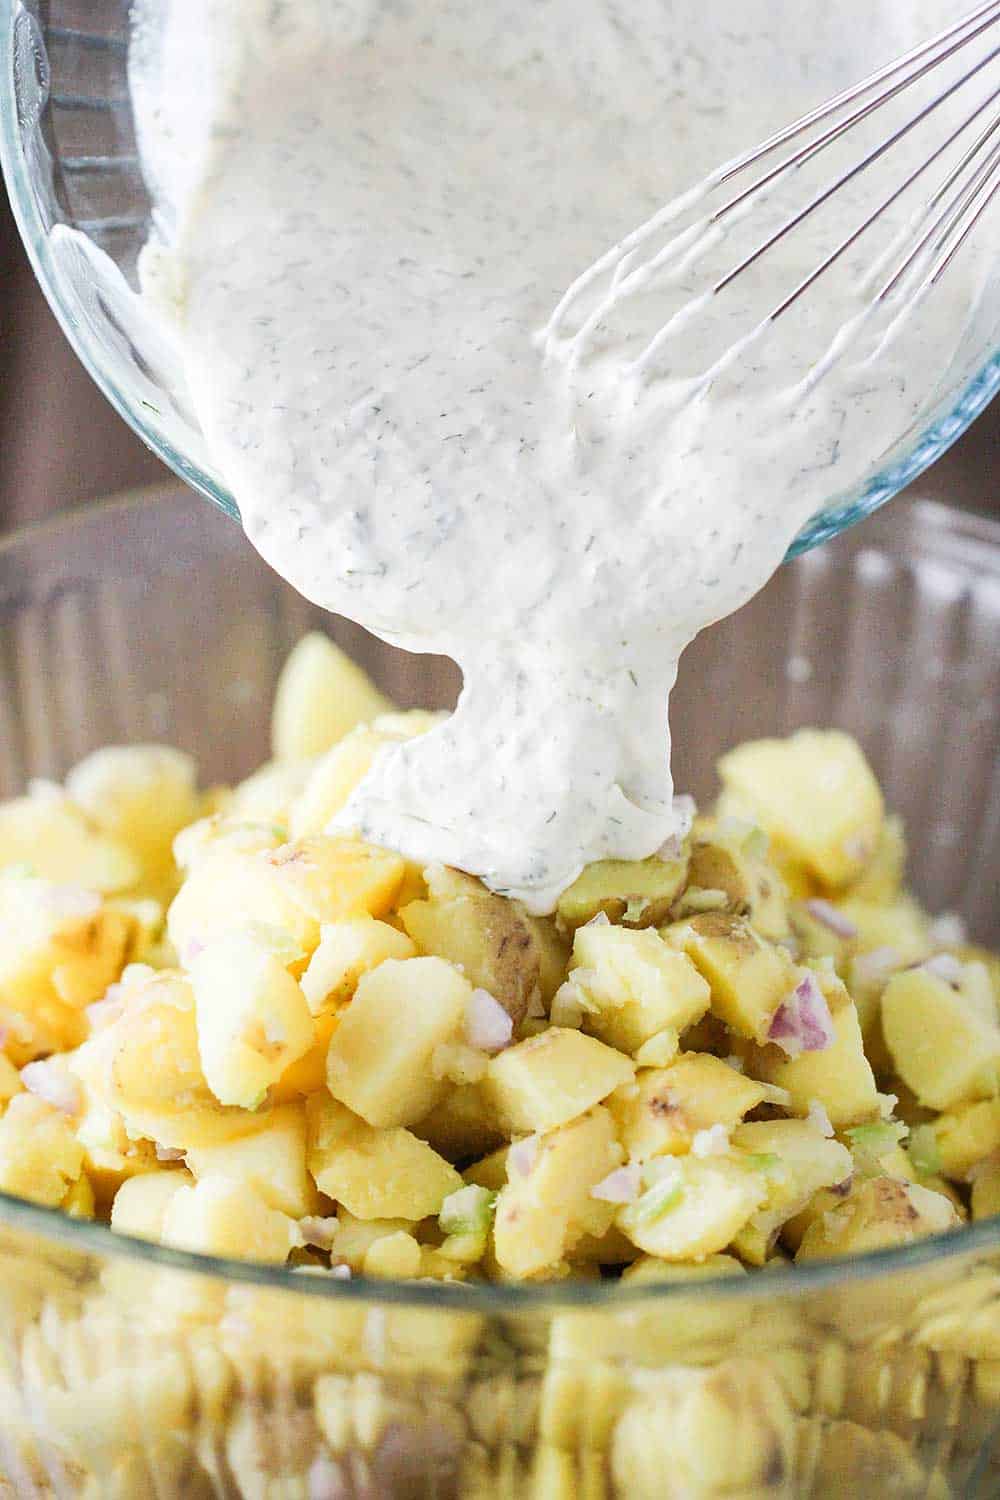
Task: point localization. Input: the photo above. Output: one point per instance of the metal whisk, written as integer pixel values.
(916, 258)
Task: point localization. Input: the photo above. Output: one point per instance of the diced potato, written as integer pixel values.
(696, 1210)
(293, 889)
(633, 986)
(381, 1056)
(54, 840)
(141, 1203)
(141, 796)
(270, 1160)
(375, 1173)
(986, 1190)
(882, 877)
(60, 948)
(335, 775)
(394, 1255)
(10, 1081)
(840, 1077)
(80, 1202)
(724, 858)
(806, 1162)
(40, 1158)
(321, 694)
(877, 1212)
(666, 1107)
(899, 927)
(944, 1040)
(815, 795)
(636, 893)
(333, 778)
(309, 1073)
(219, 1217)
(551, 1078)
(154, 1078)
(541, 1214)
(252, 1018)
(347, 950)
(748, 977)
(958, 1139)
(819, 938)
(491, 1172)
(484, 935)
(269, 794)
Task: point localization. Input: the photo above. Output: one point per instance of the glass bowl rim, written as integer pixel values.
(841, 512)
(88, 1236)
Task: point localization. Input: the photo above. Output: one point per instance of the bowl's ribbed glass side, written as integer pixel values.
(128, 1373)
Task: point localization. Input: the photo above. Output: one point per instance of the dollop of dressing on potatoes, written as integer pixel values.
(368, 213)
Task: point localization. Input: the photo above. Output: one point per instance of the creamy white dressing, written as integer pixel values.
(370, 211)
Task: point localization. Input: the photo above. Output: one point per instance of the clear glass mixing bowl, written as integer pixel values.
(70, 158)
(129, 1372)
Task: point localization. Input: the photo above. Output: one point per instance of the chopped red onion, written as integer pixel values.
(317, 1231)
(487, 1025)
(818, 1116)
(599, 919)
(46, 1080)
(522, 1156)
(802, 1022)
(620, 1186)
(944, 966)
(828, 916)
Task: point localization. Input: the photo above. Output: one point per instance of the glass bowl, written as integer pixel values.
(127, 1370)
(70, 158)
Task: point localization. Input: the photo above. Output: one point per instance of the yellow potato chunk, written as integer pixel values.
(219, 1217)
(748, 977)
(724, 858)
(695, 1209)
(141, 1203)
(381, 1058)
(900, 927)
(839, 1077)
(882, 877)
(815, 795)
(347, 950)
(335, 775)
(141, 796)
(551, 1078)
(632, 986)
(986, 1191)
(153, 1074)
(54, 839)
(637, 893)
(543, 1212)
(958, 1139)
(877, 1212)
(252, 1018)
(375, 1173)
(666, 1107)
(10, 1081)
(270, 1160)
(292, 889)
(943, 1035)
(40, 1158)
(268, 794)
(486, 936)
(321, 694)
(805, 1162)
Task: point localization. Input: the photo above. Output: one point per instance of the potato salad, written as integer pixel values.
(225, 1028)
